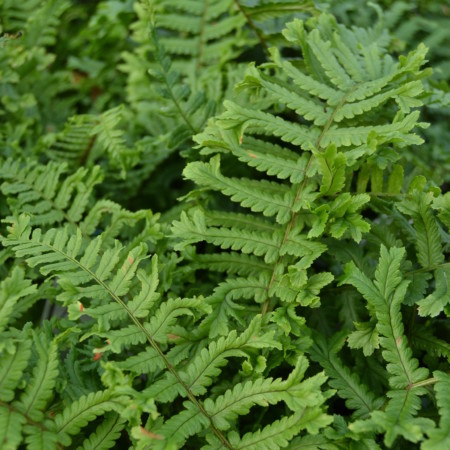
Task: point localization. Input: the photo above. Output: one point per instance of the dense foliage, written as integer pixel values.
(225, 224)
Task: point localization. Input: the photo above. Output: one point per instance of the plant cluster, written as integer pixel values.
(225, 224)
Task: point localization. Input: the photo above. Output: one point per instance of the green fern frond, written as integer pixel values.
(260, 196)
(40, 439)
(84, 410)
(236, 263)
(77, 268)
(13, 363)
(425, 340)
(398, 418)
(86, 138)
(438, 301)
(267, 157)
(106, 434)
(111, 139)
(206, 366)
(442, 205)
(440, 437)
(47, 192)
(213, 30)
(12, 289)
(15, 15)
(357, 396)
(41, 26)
(30, 412)
(192, 108)
(74, 143)
(429, 248)
(279, 433)
(297, 395)
(11, 423)
(40, 387)
(385, 295)
(200, 372)
(303, 223)
(428, 239)
(300, 132)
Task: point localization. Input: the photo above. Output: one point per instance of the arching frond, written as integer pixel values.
(48, 193)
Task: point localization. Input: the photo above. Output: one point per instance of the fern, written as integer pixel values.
(106, 434)
(54, 251)
(238, 132)
(348, 385)
(224, 224)
(77, 415)
(27, 417)
(37, 190)
(13, 288)
(13, 365)
(38, 392)
(385, 295)
(440, 436)
(212, 29)
(429, 251)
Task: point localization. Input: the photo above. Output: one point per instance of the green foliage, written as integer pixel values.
(225, 225)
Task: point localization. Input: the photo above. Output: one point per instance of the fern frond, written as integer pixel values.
(257, 242)
(424, 339)
(15, 15)
(12, 365)
(269, 158)
(74, 143)
(234, 262)
(296, 394)
(279, 433)
(11, 423)
(190, 107)
(440, 437)
(428, 239)
(357, 396)
(12, 289)
(442, 205)
(111, 218)
(307, 124)
(147, 361)
(385, 295)
(212, 30)
(206, 366)
(260, 196)
(398, 418)
(260, 122)
(106, 434)
(40, 439)
(84, 410)
(217, 218)
(433, 304)
(201, 371)
(40, 191)
(118, 329)
(365, 337)
(429, 248)
(112, 141)
(182, 425)
(40, 387)
(84, 274)
(41, 26)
